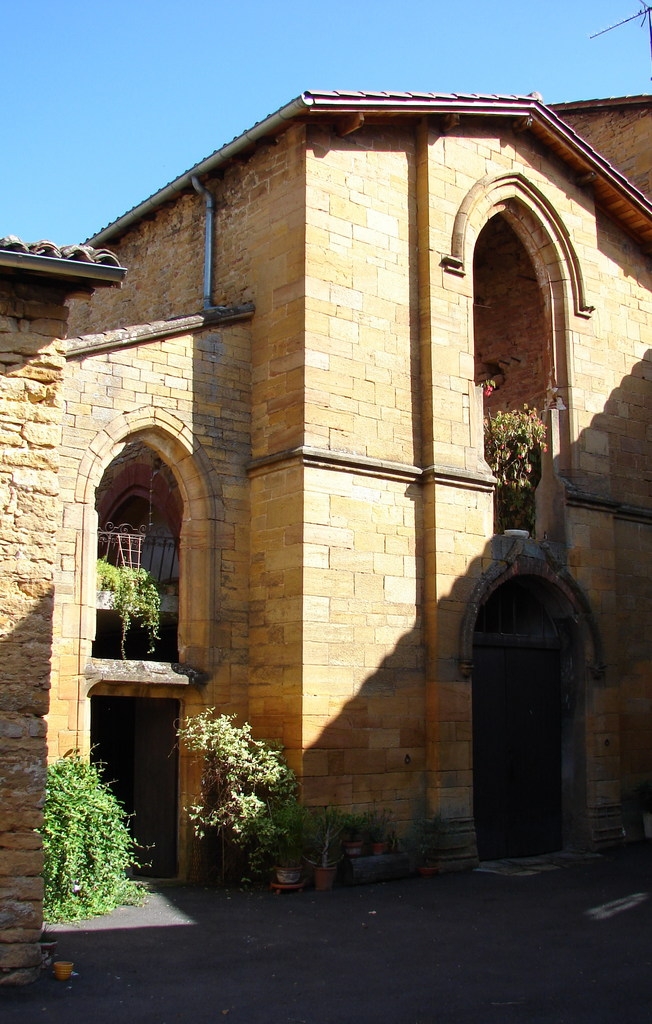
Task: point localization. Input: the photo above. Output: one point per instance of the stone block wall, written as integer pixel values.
(32, 318)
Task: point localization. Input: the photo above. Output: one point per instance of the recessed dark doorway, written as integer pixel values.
(517, 727)
(135, 740)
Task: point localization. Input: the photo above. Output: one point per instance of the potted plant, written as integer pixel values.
(324, 845)
(424, 841)
(644, 792)
(376, 829)
(353, 834)
(290, 822)
(135, 596)
(513, 443)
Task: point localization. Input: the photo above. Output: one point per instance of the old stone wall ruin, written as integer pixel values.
(32, 318)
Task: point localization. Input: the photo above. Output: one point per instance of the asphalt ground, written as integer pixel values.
(524, 944)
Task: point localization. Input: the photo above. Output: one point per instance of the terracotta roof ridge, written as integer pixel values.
(76, 253)
(123, 337)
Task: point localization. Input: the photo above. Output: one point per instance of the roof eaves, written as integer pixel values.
(309, 102)
(80, 263)
(315, 102)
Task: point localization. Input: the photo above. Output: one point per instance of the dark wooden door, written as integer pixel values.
(516, 751)
(135, 739)
(155, 785)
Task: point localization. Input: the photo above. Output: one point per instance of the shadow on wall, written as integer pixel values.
(374, 750)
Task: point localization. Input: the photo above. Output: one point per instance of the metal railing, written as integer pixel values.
(140, 547)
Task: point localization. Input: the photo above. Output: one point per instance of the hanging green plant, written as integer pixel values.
(135, 597)
(513, 443)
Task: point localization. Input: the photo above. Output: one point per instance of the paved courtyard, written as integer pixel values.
(539, 942)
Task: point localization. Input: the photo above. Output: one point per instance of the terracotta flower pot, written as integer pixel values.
(324, 878)
(48, 953)
(378, 848)
(428, 870)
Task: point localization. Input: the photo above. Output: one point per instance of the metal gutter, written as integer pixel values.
(98, 274)
(259, 131)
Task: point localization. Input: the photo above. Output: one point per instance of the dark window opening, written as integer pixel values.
(139, 512)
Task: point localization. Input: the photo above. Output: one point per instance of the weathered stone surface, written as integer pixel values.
(23, 976)
(20, 862)
(20, 955)
(32, 317)
(17, 916)
(21, 889)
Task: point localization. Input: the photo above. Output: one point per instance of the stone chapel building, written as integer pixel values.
(284, 403)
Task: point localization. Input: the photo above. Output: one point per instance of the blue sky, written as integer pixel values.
(103, 103)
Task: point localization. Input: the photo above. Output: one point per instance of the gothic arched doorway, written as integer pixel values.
(517, 725)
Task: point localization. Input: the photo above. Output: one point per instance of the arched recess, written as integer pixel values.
(172, 440)
(564, 599)
(544, 231)
(549, 246)
(579, 665)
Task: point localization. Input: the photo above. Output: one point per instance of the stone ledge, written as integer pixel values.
(150, 673)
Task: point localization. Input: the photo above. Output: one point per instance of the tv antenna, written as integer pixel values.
(645, 14)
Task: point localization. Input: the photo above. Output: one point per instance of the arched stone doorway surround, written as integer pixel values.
(581, 667)
(171, 439)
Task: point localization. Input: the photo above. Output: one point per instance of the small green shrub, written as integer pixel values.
(244, 783)
(135, 596)
(87, 845)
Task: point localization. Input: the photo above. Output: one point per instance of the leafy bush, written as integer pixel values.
(87, 845)
(135, 596)
(244, 783)
(513, 442)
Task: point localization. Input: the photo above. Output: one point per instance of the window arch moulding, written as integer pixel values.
(173, 441)
(531, 214)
